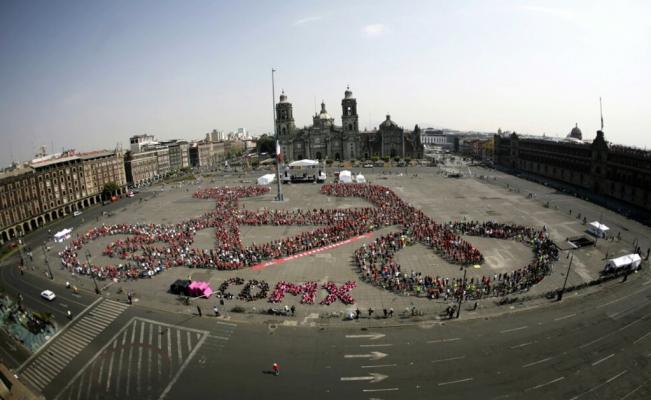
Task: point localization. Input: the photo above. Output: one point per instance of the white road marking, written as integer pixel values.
(634, 322)
(226, 323)
(616, 376)
(379, 366)
(614, 301)
(376, 345)
(444, 340)
(546, 383)
(537, 362)
(521, 345)
(457, 381)
(374, 355)
(602, 360)
(515, 329)
(595, 341)
(646, 283)
(632, 391)
(600, 385)
(564, 317)
(645, 335)
(372, 336)
(183, 366)
(373, 377)
(449, 359)
(381, 390)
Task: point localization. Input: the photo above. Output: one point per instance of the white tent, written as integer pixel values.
(62, 235)
(304, 163)
(266, 179)
(360, 178)
(345, 177)
(631, 261)
(598, 229)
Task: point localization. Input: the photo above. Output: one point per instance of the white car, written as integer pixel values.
(48, 295)
(76, 213)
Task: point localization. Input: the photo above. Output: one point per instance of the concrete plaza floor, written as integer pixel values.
(443, 199)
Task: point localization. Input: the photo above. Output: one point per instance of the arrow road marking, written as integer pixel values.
(374, 355)
(373, 378)
(372, 336)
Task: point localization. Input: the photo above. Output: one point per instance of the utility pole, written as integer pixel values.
(279, 195)
(47, 262)
(92, 274)
(463, 289)
(567, 274)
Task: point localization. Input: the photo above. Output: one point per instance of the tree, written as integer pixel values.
(110, 189)
(266, 144)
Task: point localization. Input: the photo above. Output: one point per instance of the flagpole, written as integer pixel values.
(279, 195)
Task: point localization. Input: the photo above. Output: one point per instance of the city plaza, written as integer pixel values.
(479, 197)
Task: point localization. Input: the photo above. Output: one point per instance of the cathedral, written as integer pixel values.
(325, 140)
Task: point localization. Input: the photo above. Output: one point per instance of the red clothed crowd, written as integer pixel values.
(149, 249)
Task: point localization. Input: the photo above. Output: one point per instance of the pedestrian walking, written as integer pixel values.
(391, 312)
(370, 312)
(357, 312)
(216, 310)
(276, 369)
(386, 312)
(199, 310)
(293, 309)
(474, 308)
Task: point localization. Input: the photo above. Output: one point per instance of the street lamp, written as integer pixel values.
(567, 274)
(463, 289)
(92, 274)
(47, 261)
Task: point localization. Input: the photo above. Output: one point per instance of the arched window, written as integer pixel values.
(283, 130)
(350, 127)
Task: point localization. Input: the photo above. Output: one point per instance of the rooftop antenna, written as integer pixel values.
(601, 111)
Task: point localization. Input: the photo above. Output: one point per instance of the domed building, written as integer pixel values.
(324, 140)
(576, 133)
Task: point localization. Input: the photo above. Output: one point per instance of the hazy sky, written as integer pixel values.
(89, 74)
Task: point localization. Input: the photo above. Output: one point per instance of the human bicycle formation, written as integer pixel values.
(144, 250)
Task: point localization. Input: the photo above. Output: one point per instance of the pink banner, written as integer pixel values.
(266, 264)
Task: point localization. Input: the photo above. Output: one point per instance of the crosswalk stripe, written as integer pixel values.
(66, 343)
(91, 325)
(34, 379)
(57, 358)
(53, 361)
(44, 380)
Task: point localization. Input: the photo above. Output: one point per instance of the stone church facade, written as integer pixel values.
(324, 140)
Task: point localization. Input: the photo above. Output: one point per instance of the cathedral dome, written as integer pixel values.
(388, 123)
(324, 114)
(576, 133)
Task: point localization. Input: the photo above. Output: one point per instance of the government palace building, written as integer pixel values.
(324, 140)
(600, 169)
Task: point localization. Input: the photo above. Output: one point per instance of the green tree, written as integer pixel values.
(110, 189)
(266, 144)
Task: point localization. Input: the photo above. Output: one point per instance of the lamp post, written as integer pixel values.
(567, 274)
(463, 289)
(47, 261)
(92, 274)
(279, 196)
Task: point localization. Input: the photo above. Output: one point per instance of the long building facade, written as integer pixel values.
(324, 140)
(49, 188)
(604, 169)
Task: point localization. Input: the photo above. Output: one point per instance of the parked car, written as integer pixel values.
(48, 295)
(368, 165)
(76, 213)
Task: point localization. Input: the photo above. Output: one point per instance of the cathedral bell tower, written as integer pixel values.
(349, 118)
(284, 117)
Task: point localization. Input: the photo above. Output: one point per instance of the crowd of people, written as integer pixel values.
(377, 264)
(148, 249)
